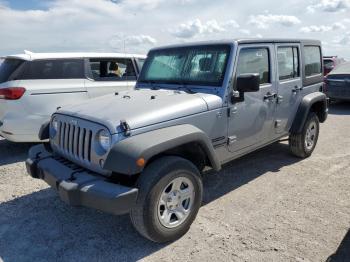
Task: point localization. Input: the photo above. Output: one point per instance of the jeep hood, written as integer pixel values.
(143, 107)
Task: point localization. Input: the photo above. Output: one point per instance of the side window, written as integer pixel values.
(112, 69)
(288, 62)
(8, 69)
(255, 60)
(312, 56)
(54, 69)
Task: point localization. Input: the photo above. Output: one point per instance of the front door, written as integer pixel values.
(109, 75)
(289, 86)
(251, 121)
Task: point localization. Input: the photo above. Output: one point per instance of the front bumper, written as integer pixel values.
(77, 186)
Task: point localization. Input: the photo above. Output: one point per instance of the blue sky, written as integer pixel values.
(109, 25)
(28, 4)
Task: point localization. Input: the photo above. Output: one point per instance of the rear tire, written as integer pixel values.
(170, 195)
(303, 144)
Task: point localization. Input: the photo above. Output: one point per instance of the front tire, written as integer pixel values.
(170, 195)
(303, 144)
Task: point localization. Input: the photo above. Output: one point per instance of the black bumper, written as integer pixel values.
(79, 187)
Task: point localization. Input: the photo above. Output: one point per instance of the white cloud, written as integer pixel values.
(148, 4)
(329, 6)
(343, 40)
(196, 27)
(105, 25)
(245, 31)
(322, 28)
(141, 40)
(120, 42)
(264, 21)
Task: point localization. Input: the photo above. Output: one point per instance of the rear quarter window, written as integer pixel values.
(9, 68)
(313, 60)
(54, 69)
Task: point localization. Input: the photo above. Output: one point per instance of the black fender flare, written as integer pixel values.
(44, 132)
(304, 108)
(124, 154)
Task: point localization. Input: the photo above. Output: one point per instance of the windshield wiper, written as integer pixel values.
(152, 83)
(184, 87)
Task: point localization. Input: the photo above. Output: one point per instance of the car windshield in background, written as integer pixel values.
(199, 65)
(8, 68)
(328, 63)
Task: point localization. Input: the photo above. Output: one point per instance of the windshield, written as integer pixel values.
(196, 65)
(7, 69)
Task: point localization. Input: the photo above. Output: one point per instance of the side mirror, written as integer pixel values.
(245, 83)
(248, 83)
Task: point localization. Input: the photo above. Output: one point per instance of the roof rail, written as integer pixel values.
(28, 53)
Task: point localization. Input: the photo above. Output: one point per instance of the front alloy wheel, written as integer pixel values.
(175, 202)
(170, 195)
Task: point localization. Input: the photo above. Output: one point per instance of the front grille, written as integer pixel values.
(74, 140)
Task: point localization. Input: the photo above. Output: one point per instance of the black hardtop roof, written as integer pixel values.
(242, 41)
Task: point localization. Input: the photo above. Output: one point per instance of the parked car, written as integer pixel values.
(337, 84)
(330, 62)
(195, 105)
(34, 85)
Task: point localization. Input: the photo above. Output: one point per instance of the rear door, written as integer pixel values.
(109, 75)
(251, 121)
(289, 85)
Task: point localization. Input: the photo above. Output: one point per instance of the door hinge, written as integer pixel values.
(231, 111)
(279, 99)
(231, 140)
(278, 123)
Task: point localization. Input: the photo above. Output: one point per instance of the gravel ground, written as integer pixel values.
(267, 206)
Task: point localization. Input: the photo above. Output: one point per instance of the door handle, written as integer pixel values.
(297, 89)
(270, 96)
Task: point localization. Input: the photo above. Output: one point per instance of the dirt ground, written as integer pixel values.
(267, 206)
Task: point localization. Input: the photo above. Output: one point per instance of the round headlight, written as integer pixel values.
(54, 127)
(104, 140)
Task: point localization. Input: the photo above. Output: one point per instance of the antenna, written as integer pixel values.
(126, 63)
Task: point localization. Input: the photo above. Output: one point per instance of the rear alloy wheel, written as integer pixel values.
(303, 144)
(170, 195)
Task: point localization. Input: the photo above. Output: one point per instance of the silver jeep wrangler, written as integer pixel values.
(195, 106)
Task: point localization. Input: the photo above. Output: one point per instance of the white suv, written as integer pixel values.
(34, 85)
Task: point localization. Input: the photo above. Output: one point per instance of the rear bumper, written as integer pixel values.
(21, 128)
(339, 95)
(77, 186)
